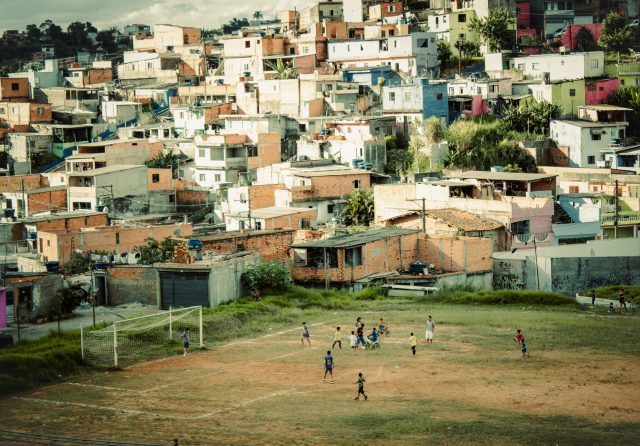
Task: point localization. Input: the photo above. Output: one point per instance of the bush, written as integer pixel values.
(611, 292)
(503, 297)
(267, 275)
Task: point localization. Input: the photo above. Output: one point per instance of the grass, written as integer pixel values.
(611, 292)
(469, 387)
(57, 357)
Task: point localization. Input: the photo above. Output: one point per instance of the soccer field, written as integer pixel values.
(469, 387)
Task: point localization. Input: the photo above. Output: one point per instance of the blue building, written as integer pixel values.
(418, 101)
(371, 76)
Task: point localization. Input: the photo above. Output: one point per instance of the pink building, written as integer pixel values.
(523, 19)
(598, 92)
(570, 36)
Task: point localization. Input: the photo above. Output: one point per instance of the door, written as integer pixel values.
(184, 289)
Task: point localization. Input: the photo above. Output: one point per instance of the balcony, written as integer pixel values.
(624, 219)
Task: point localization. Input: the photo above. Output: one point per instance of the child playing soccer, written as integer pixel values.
(354, 341)
(328, 366)
(305, 334)
(337, 339)
(414, 341)
(523, 348)
(360, 383)
(518, 338)
(382, 326)
(360, 335)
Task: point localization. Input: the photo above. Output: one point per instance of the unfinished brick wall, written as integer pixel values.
(272, 245)
(98, 76)
(73, 223)
(292, 221)
(40, 113)
(390, 254)
(331, 186)
(159, 179)
(213, 112)
(190, 200)
(268, 150)
(449, 254)
(132, 284)
(47, 200)
(14, 89)
(19, 183)
(263, 195)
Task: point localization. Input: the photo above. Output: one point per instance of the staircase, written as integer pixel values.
(560, 215)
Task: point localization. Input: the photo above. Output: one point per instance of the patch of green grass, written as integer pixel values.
(489, 297)
(611, 292)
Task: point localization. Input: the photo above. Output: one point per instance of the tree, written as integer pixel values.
(444, 52)
(283, 71)
(434, 131)
(531, 118)
(257, 15)
(359, 207)
(496, 30)
(154, 252)
(33, 33)
(398, 159)
(629, 97)
(77, 264)
(107, 41)
(164, 161)
(271, 275)
(585, 40)
(465, 49)
(615, 35)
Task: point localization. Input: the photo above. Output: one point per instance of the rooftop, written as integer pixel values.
(605, 107)
(59, 215)
(326, 171)
(463, 220)
(358, 239)
(588, 124)
(275, 211)
(104, 170)
(502, 176)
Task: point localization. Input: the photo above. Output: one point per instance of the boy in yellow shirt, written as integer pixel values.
(337, 339)
(414, 341)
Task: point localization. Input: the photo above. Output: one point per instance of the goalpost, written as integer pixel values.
(142, 338)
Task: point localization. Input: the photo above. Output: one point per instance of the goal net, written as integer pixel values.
(142, 338)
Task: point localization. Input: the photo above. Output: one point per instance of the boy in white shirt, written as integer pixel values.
(354, 341)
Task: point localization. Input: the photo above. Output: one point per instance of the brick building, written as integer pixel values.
(13, 89)
(273, 217)
(271, 244)
(347, 258)
(118, 241)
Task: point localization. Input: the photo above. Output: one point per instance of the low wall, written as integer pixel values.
(132, 284)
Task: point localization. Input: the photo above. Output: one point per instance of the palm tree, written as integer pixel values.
(257, 15)
(359, 209)
(283, 71)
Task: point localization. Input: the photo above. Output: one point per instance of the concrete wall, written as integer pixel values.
(225, 282)
(480, 280)
(576, 274)
(509, 274)
(132, 284)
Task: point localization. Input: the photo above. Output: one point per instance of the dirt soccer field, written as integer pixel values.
(469, 387)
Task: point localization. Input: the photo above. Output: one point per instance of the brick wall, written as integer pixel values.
(390, 254)
(190, 200)
(73, 223)
(40, 113)
(272, 245)
(212, 113)
(17, 183)
(47, 201)
(192, 35)
(163, 177)
(263, 195)
(98, 76)
(59, 246)
(268, 150)
(132, 284)
(470, 254)
(7, 93)
(331, 186)
(292, 220)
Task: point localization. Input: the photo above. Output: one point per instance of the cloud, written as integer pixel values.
(107, 13)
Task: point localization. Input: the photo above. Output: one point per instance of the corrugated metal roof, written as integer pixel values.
(360, 238)
(503, 176)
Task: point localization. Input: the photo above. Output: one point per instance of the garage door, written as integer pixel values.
(184, 289)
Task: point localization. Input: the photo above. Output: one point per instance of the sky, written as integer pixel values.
(16, 14)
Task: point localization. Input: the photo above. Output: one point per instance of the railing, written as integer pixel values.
(623, 217)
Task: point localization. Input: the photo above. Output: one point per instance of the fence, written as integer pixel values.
(142, 338)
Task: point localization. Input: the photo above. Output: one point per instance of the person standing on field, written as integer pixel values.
(354, 341)
(305, 334)
(621, 300)
(593, 297)
(431, 327)
(414, 341)
(328, 366)
(337, 339)
(185, 341)
(360, 382)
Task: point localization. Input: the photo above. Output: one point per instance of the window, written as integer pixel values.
(292, 51)
(522, 228)
(423, 43)
(392, 96)
(149, 65)
(518, 11)
(172, 198)
(572, 92)
(247, 44)
(462, 18)
(591, 160)
(356, 184)
(155, 178)
(521, 67)
(535, 66)
(353, 256)
(594, 63)
(439, 96)
(40, 110)
(331, 208)
(117, 238)
(15, 86)
(40, 246)
(305, 50)
(391, 8)
(81, 205)
(48, 242)
(302, 127)
(2, 112)
(493, 88)
(203, 177)
(202, 153)
(305, 223)
(217, 177)
(258, 225)
(596, 137)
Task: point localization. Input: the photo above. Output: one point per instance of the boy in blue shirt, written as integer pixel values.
(328, 366)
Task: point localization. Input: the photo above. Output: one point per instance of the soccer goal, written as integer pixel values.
(142, 338)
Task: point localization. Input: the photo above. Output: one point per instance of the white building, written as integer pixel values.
(415, 54)
(586, 139)
(100, 187)
(220, 159)
(188, 121)
(561, 67)
(23, 145)
(49, 76)
(121, 112)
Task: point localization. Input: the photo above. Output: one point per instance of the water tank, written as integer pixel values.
(418, 268)
(52, 266)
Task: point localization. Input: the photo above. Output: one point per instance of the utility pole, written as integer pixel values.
(424, 217)
(615, 217)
